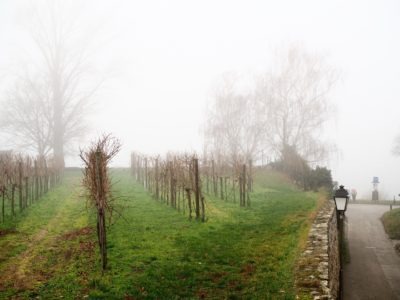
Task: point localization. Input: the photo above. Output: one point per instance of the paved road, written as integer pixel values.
(374, 269)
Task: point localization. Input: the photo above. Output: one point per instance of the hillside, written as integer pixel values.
(156, 252)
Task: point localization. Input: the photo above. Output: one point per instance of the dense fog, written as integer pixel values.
(188, 76)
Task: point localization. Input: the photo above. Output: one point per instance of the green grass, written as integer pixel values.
(156, 252)
(391, 222)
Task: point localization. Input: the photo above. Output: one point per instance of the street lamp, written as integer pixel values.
(341, 199)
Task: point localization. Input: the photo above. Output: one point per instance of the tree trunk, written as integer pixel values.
(58, 139)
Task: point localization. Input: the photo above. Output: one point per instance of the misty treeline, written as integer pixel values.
(98, 185)
(280, 117)
(50, 89)
(23, 180)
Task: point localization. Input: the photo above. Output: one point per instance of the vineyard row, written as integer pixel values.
(182, 181)
(23, 180)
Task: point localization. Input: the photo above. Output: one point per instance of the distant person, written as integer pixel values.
(354, 194)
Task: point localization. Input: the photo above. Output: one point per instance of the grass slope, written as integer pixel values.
(154, 251)
(391, 222)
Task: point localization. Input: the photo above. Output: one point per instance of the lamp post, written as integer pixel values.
(341, 199)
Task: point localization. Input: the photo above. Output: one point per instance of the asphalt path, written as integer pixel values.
(374, 268)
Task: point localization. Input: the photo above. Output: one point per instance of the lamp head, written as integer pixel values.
(341, 199)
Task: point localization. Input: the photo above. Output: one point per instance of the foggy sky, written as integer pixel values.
(166, 56)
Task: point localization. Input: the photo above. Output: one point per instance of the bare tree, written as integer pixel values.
(296, 102)
(27, 116)
(60, 96)
(286, 110)
(234, 125)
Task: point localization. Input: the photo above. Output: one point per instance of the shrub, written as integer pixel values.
(297, 168)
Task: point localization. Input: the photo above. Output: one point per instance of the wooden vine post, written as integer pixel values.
(214, 178)
(36, 180)
(3, 195)
(197, 186)
(101, 221)
(250, 176)
(156, 181)
(26, 181)
(20, 184)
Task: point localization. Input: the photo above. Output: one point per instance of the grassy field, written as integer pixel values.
(154, 251)
(391, 222)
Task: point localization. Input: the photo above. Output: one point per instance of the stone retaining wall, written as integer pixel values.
(318, 268)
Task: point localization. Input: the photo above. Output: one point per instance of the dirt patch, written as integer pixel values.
(74, 234)
(248, 270)
(79, 243)
(4, 232)
(87, 246)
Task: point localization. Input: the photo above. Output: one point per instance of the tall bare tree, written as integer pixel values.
(286, 110)
(296, 101)
(49, 112)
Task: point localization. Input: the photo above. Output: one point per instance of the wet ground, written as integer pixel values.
(374, 268)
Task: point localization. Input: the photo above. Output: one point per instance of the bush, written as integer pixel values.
(297, 168)
(320, 177)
